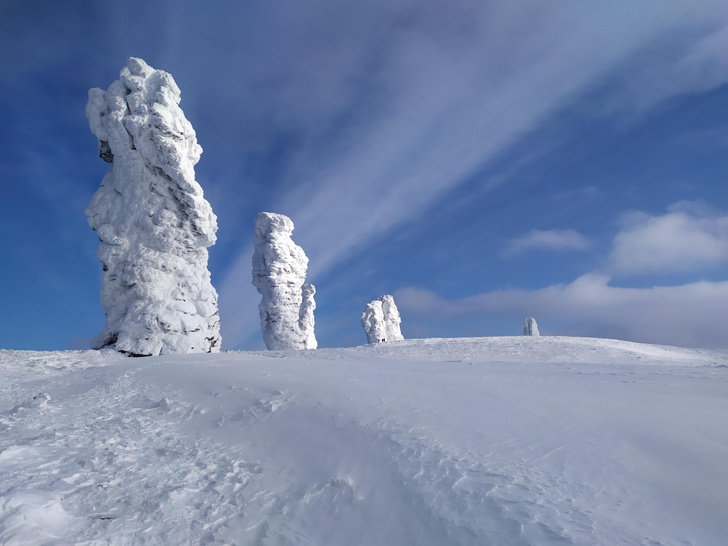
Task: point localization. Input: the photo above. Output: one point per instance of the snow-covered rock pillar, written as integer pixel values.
(381, 320)
(279, 274)
(153, 223)
(530, 328)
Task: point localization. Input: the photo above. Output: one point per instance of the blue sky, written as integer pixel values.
(482, 161)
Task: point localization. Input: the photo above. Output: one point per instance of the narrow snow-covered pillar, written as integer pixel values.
(279, 274)
(530, 328)
(381, 320)
(153, 223)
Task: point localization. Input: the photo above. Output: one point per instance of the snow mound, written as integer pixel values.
(153, 223)
(279, 274)
(544, 349)
(381, 320)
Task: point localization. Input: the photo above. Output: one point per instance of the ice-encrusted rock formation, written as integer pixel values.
(381, 320)
(279, 274)
(530, 328)
(153, 223)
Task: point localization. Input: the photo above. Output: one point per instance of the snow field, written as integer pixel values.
(471, 441)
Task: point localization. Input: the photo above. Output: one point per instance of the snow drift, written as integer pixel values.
(279, 274)
(153, 223)
(381, 320)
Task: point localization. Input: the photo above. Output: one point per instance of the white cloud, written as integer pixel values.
(689, 315)
(679, 241)
(555, 239)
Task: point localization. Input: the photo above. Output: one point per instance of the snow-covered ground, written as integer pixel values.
(515, 440)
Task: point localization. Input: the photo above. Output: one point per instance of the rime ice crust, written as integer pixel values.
(279, 272)
(530, 328)
(153, 223)
(381, 320)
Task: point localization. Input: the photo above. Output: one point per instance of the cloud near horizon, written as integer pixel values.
(690, 315)
(688, 237)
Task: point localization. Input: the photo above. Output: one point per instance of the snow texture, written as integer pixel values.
(279, 272)
(381, 320)
(153, 223)
(469, 442)
(530, 328)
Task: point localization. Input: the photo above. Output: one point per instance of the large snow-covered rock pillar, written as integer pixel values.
(279, 272)
(530, 328)
(381, 320)
(153, 223)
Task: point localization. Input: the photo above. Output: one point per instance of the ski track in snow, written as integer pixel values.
(441, 441)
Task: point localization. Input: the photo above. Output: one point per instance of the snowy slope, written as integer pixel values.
(515, 440)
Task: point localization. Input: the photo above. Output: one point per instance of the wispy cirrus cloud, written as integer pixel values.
(450, 103)
(661, 72)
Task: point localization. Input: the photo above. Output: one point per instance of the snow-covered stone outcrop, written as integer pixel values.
(530, 328)
(279, 274)
(381, 320)
(153, 223)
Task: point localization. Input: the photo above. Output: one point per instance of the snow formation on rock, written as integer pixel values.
(279, 272)
(530, 328)
(153, 223)
(381, 320)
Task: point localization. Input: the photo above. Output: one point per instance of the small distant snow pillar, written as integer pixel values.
(530, 328)
(279, 272)
(306, 320)
(153, 223)
(381, 320)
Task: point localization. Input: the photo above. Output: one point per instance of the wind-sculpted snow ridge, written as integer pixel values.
(153, 223)
(381, 320)
(279, 272)
(530, 328)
